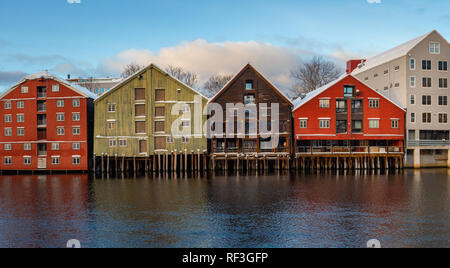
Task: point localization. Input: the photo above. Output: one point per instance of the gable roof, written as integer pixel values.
(46, 75)
(392, 54)
(152, 65)
(236, 77)
(299, 102)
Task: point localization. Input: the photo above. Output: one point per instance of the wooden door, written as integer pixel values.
(42, 163)
(142, 146)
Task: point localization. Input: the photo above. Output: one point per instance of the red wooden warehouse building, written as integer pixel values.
(46, 123)
(348, 124)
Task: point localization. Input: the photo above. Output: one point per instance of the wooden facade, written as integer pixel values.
(133, 122)
(249, 87)
(47, 125)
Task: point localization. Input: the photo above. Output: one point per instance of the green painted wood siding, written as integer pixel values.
(123, 97)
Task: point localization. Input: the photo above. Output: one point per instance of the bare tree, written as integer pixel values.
(216, 83)
(313, 74)
(184, 76)
(131, 69)
(89, 83)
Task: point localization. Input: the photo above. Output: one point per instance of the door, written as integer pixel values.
(42, 163)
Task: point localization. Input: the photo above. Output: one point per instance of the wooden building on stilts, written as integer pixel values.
(150, 122)
(257, 127)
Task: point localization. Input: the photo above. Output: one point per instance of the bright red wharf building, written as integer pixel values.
(350, 117)
(46, 124)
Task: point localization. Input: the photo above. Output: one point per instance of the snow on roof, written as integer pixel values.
(47, 75)
(311, 95)
(390, 55)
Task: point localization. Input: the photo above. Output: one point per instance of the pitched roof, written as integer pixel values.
(236, 77)
(311, 95)
(46, 75)
(390, 55)
(152, 65)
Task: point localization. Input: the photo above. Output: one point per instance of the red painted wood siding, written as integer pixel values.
(30, 111)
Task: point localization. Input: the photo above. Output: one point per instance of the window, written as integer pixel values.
(349, 91)
(357, 126)
(27, 160)
(76, 131)
(75, 117)
(160, 126)
(396, 68)
(341, 106)
(7, 105)
(55, 88)
(412, 100)
(426, 118)
(20, 118)
(123, 143)
(249, 85)
(386, 72)
(76, 103)
(139, 109)
(426, 82)
(374, 103)
(324, 123)
(8, 118)
(140, 127)
(442, 100)
(394, 123)
(20, 131)
(60, 117)
(249, 99)
(112, 143)
(324, 103)
(303, 123)
(55, 146)
(8, 160)
(60, 131)
(435, 48)
(374, 123)
(184, 139)
(111, 108)
(186, 123)
(27, 146)
(357, 106)
(20, 104)
(160, 111)
(442, 66)
(139, 94)
(8, 132)
(160, 95)
(413, 117)
(60, 103)
(179, 91)
(55, 160)
(412, 64)
(7, 147)
(76, 160)
(159, 144)
(412, 81)
(443, 82)
(443, 118)
(170, 139)
(341, 126)
(375, 75)
(111, 125)
(426, 65)
(76, 146)
(24, 90)
(426, 100)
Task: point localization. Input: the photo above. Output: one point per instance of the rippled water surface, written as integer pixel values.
(404, 210)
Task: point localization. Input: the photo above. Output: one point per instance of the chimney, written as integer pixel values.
(353, 64)
(68, 76)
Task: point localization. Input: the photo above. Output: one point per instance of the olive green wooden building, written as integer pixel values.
(134, 120)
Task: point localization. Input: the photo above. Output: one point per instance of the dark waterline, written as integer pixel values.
(404, 210)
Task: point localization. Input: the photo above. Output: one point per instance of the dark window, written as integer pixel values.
(434, 135)
(426, 65)
(443, 66)
(426, 100)
(443, 82)
(349, 91)
(341, 126)
(142, 146)
(357, 106)
(426, 118)
(249, 99)
(443, 100)
(426, 82)
(341, 106)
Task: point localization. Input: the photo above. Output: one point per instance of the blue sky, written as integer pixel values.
(97, 37)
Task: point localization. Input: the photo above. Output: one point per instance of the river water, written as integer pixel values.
(410, 209)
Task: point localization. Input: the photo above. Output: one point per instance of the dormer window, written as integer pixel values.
(249, 85)
(349, 91)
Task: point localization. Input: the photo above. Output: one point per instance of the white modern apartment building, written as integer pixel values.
(95, 85)
(416, 76)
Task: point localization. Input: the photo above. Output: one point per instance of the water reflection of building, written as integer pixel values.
(43, 211)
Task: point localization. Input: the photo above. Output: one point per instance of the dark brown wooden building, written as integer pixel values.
(254, 148)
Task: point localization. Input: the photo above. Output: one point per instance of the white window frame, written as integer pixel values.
(412, 64)
(411, 117)
(21, 129)
(8, 132)
(439, 117)
(57, 162)
(55, 88)
(20, 118)
(110, 123)
(27, 160)
(112, 143)
(27, 146)
(443, 79)
(76, 103)
(324, 103)
(60, 117)
(412, 97)
(433, 46)
(7, 160)
(60, 103)
(112, 108)
(76, 146)
(76, 133)
(24, 90)
(303, 123)
(76, 117)
(8, 105)
(324, 123)
(7, 147)
(185, 139)
(395, 123)
(170, 139)
(374, 103)
(412, 81)
(8, 118)
(123, 143)
(58, 131)
(443, 96)
(374, 123)
(74, 158)
(431, 117)
(443, 61)
(55, 146)
(20, 105)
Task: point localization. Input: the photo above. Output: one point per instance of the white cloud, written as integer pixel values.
(206, 59)
(374, 1)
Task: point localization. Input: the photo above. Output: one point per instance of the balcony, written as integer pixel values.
(424, 143)
(41, 106)
(349, 150)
